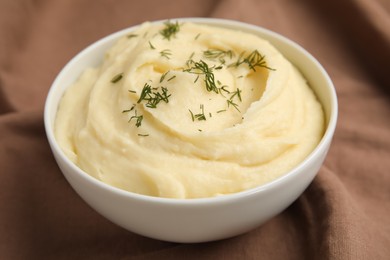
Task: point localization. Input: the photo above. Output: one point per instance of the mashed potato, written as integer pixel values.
(182, 110)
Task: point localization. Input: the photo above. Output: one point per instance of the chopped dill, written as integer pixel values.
(253, 60)
(223, 88)
(171, 78)
(196, 79)
(138, 119)
(163, 76)
(117, 78)
(192, 115)
(200, 116)
(202, 68)
(231, 103)
(214, 54)
(170, 30)
(191, 56)
(166, 53)
(153, 96)
(129, 110)
(132, 35)
(236, 93)
(151, 45)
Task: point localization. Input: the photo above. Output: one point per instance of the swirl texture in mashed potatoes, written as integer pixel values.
(189, 111)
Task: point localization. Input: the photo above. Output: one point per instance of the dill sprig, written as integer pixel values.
(236, 93)
(163, 76)
(132, 35)
(171, 78)
(191, 56)
(153, 96)
(239, 61)
(253, 60)
(117, 78)
(192, 115)
(166, 53)
(223, 90)
(213, 54)
(233, 104)
(200, 116)
(230, 101)
(202, 68)
(138, 119)
(170, 29)
(151, 45)
(128, 110)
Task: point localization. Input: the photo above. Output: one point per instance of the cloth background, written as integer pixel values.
(344, 213)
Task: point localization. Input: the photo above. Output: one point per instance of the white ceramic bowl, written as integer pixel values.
(206, 219)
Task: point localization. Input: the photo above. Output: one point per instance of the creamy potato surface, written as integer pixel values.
(183, 110)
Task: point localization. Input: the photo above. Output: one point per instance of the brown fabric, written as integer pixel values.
(344, 214)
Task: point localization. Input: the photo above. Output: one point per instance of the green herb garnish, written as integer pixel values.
(153, 96)
(231, 103)
(163, 76)
(202, 68)
(213, 54)
(171, 78)
(138, 119)
(117, 78)
(166, 53)
(190, 58)
(223, 88)
(132, 35)
(236, 93)
(151, 45)
(253, 60)
(129, 110)
(170, 30)
(192, 115)
(201, 115)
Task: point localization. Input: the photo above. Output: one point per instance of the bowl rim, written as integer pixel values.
(226, 198)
